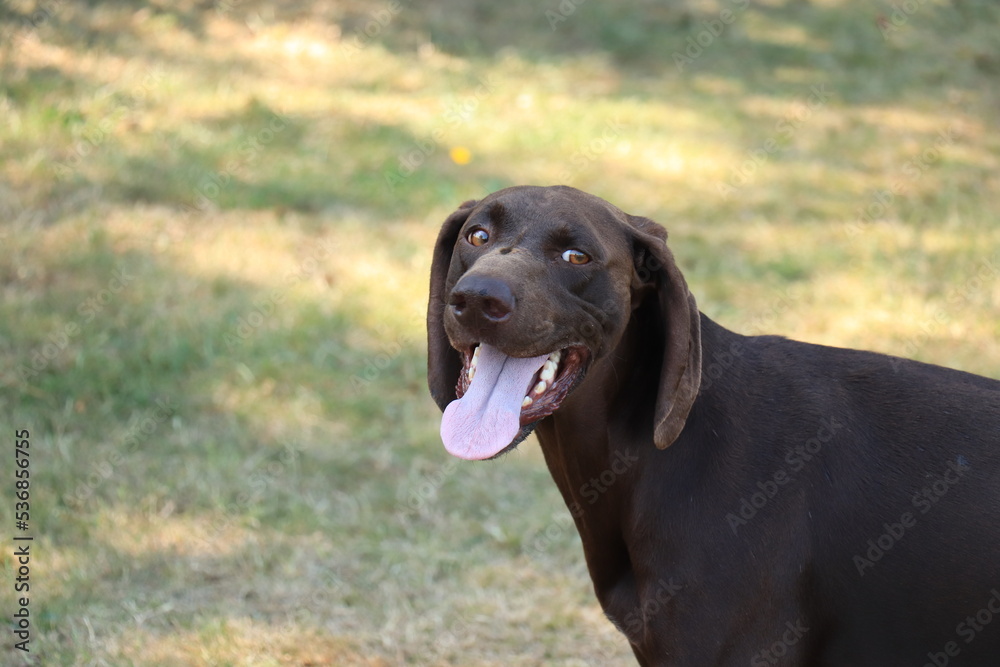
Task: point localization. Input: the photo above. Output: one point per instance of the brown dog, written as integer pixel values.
(741, 500)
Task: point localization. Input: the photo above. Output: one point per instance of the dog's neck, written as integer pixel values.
(599, 449)
(589, 445)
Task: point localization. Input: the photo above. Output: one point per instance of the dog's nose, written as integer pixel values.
(481, 301)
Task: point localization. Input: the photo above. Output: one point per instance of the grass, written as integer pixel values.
(216, 222)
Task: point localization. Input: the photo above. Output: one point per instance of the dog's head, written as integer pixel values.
(530, 286)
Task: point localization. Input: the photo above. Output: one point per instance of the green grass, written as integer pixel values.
(216, 223)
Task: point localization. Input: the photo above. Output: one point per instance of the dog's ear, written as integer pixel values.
(443, 362)
(680, 373)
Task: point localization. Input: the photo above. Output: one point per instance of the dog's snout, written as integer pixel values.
(481, 301)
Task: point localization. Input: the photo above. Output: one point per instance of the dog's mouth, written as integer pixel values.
(501, 398)
(547, 387)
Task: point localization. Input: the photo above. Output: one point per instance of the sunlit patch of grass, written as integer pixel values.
(239, 642)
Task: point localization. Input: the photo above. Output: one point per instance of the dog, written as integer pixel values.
(740, 499)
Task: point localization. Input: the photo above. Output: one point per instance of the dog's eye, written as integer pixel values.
(478, 237)
(575, 257)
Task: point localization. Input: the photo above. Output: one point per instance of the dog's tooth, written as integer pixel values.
(540, 387)
(548, 373)
(474, 362)
(526, 402)
(554, 357)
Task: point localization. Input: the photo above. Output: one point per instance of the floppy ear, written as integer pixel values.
(443, 362)
(680, 373)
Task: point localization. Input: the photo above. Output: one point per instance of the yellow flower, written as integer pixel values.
(460, 155)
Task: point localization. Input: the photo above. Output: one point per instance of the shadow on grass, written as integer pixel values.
(263, 159)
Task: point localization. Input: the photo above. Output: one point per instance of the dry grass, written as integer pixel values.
(291, 503)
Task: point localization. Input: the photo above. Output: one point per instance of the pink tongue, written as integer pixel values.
(488, 417)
